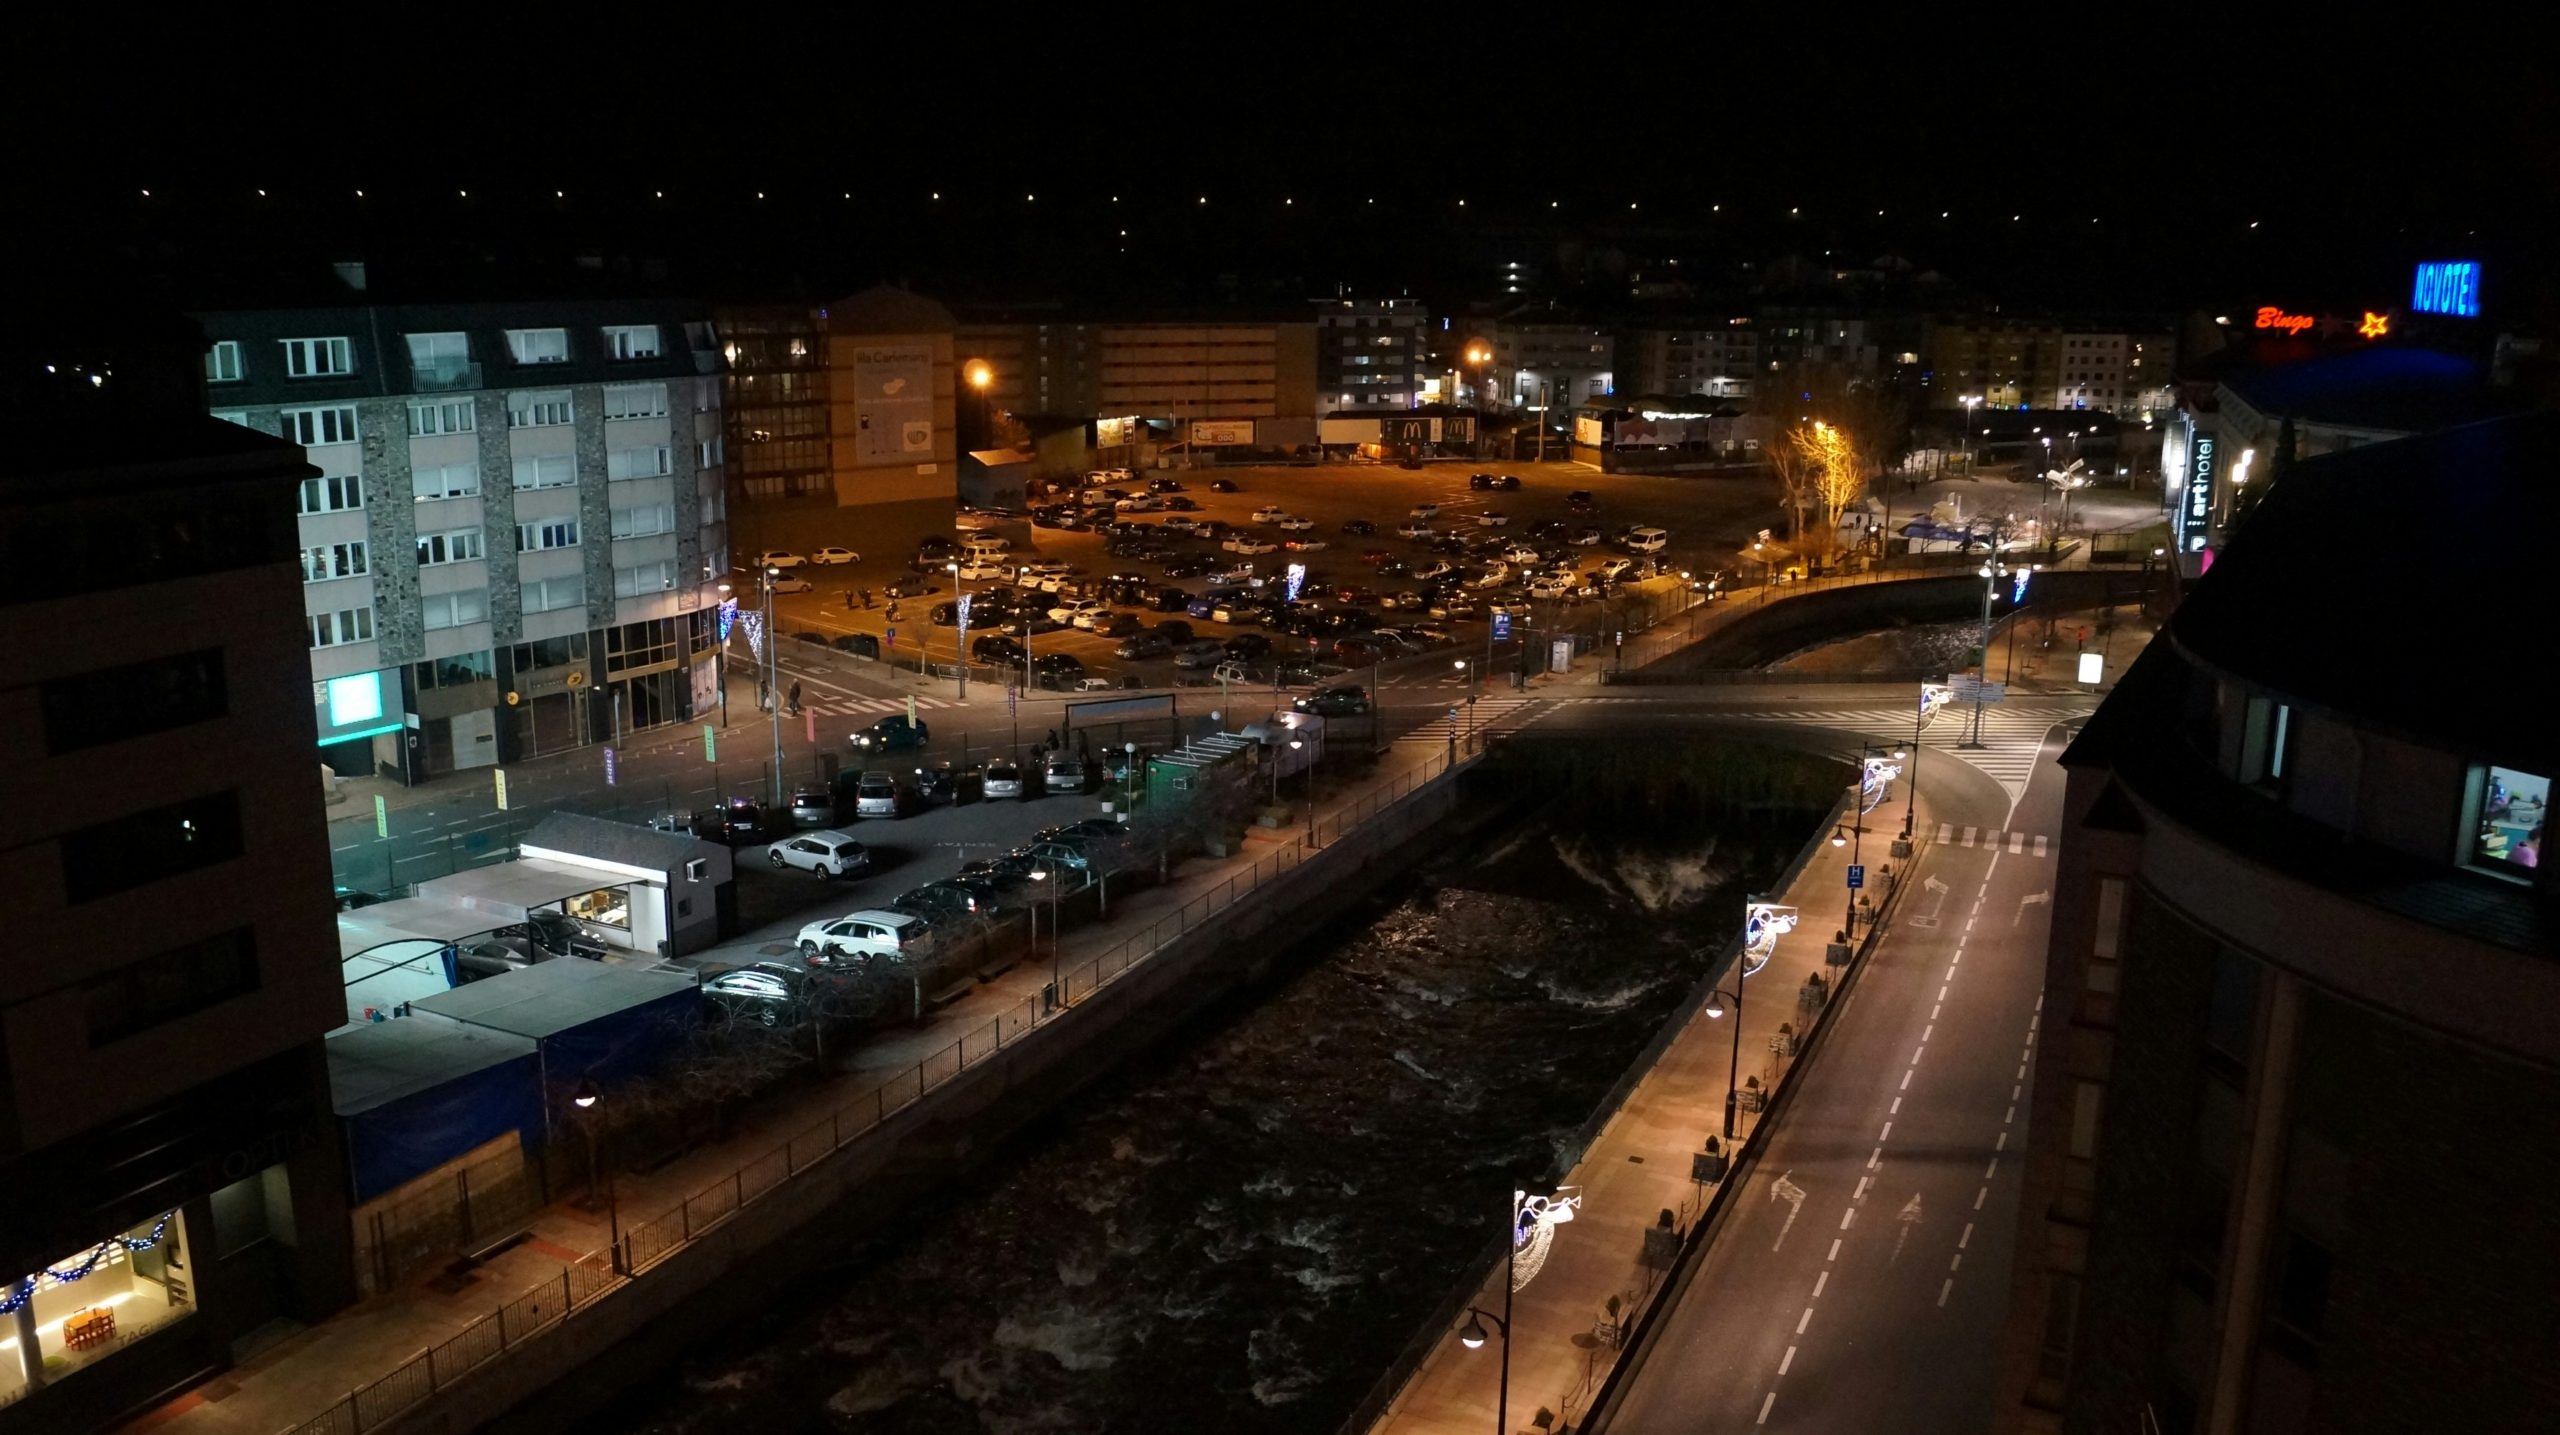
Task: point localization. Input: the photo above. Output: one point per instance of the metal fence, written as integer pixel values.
(463, 1210)
(651, 1241)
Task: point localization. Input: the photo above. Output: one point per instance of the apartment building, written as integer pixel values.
(2112, 371)
(1713, 356)
(1370, 353)
(2296, 1082)
(1549, 361)
(1038, 361)
(517, 538)
(774, 399)
(172, 1173)
(2012, 362)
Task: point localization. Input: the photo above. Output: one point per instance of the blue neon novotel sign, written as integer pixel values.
(2448, 286)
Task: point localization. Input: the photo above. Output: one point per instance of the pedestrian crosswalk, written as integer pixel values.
(2021, 843)
(2012, 739)
(876, 707)
(1483, 715)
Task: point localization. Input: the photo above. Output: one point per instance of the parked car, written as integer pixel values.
(998, 649)
(1423, 512)
(829, 854)
(860, 645)
(813, 806)
(1415, 528)
(1491, 518)
(1173, 630)
(937, 784)
(1581, 501)
(779, 558)
(767, 994)
(741, 822)
(1188, 567)
(1644, 540)
(1003, 780)
(835, 555)
(1269, 513)
(1342, 701)
(875, 794)
(871, 933)
(1223, 485)
(1137, 503)
(1244, 544)
(1060, 671)
(897, 730)
(1063, 771)
(1140, 646)
(1245, 647)
(1068, 610)
(1164, 485)
(948, 900)
(791, 583)
(1292, 523)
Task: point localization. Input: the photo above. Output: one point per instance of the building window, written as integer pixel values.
(2513, 807)
(637, 462)
(538, 346)
(2266, 732)
(550, 594)
(635, 401)
(644, 520)
(547, 534)
(174, 984)
(461, 670)
(462, 545)
(631, 341)
(318, 358)
(707, 452)
(439, 359)
(233, 416)
(556, 470)
(332, 495)
(109, 705)
(550, 653)
(437, 416)
(546, 408)
(312, 427)
(325, 561)
(643, 579)
(222, 362)
(452, 610)
(143, 847)
(347, 625)
(635, 646)
(431, 481)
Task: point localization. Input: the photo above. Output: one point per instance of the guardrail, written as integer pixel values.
(648, 1242)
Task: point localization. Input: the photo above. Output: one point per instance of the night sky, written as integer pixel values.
(2134, 161)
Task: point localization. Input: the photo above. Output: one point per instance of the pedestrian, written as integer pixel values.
(795, 697)
(1053, 739)
(866, 600)
(848, 600)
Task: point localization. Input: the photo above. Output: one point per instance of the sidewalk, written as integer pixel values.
(1636, 1170)
(307, 1376)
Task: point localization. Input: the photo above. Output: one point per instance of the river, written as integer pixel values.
(1239, 1230)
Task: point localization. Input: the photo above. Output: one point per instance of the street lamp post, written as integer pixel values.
(960, 611)
(723, 660)
(1473, 1336)
(1056, 995)
(1733, 1071)
(1295, 744)
(1911, 779)
(1128, 777)
(585, 1100)
(1970, 402)
(981, 374)
(773, 680)
(1466, 671)
(1992, 571)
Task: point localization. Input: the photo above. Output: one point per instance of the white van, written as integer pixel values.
(1646, 540)
(985, 548)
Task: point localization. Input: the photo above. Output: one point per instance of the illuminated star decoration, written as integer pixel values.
(2374, 325)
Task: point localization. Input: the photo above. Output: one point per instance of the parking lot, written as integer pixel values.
(1707, 519)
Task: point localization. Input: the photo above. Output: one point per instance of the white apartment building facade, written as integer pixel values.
(519, 532)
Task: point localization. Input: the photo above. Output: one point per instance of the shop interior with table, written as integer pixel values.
(2513, 808)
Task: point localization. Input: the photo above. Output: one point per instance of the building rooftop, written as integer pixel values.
(2399, 390)
(2402, 583)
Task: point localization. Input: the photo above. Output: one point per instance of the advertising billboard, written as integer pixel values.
(1227, 432)
(893, 403)
(1588, 432)
(1116, 433)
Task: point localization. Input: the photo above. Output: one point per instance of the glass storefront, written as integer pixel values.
(2512, 811)
(605, 907)
(93, 1303)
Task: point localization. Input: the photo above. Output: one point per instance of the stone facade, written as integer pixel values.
(498, 519)
(391, 523)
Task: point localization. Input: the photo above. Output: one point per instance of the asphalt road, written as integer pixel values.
(1861, 1280)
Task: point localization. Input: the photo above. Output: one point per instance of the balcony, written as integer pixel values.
(444, 375)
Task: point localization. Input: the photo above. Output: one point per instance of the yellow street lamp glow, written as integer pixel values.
(980, 373)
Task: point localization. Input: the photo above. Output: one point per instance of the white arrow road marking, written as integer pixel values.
(2027, 901)
(1793, 1194)
(1909, 1217)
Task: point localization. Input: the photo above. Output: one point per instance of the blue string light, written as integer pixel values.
(25, 1289)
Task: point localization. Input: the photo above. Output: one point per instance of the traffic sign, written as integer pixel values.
(612, 769)
(710, 743)
(1857, 875)
(502, 789)
(1012, 699)
(381, 817)
(1501, 627)
(1974, 690)
(890, 640)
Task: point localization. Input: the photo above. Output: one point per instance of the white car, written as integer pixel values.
(1614, 569)
(1552, 588)
(787, 583)
(829, 854)
(1423, 512)
(1415, 529)
(835, 555)
(872, 933)
(1269, 513)
(1644, 540)
(1032, 575)
(779, 558)
(1070, 609)
(1295, 524)
(1437, 568)
(1523, 554)
(1139, 503)
(1091, 620)
(1247, 543)
(1494, 576)
(976, 569)
(1181, 523)
(1002, 780)
(1492, 518)
(1304, 545)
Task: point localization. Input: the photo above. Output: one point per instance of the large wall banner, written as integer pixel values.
(893, 403)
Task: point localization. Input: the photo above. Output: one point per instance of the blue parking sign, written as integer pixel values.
(1857, 876)
(1501, 626)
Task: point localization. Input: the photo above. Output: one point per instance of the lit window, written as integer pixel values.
(549, 533)
(347, 625)
(2513, 808)
(462, 545)
(442, 417)
(325, 561)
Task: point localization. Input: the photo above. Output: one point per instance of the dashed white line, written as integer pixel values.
(1786, 1360)
(1978, 1197)
(1934, 1010)
(1896, 1109)
(1942, 993)
(1906, 1081)
(1861, 1193)
(1804, 1320)
(2022, 1073)
(1887, 1133)
(1874, 1158)
(1820, 1279)
(1847, 1216)
(1967, 1238)
(1943, 1289)
(1955, 1263)
(2003, 1143)
(1764, 1408)
(2009, 1115)
(1927, 1032)
(2014, 1091)
(1835, 1247)
(1989, 1169)
(1915, 1053)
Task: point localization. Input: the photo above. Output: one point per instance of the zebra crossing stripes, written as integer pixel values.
(1488, 715)
(868, 707)
(2016, 842)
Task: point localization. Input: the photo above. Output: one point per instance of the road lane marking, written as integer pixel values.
(2013, 1092)
(1967, 1238)
(1946, 831)
(1926, 1032)
(1804, 1320)
(2009, 1115)
(1979, 1195)
(2018, 841)
(1994, 1166)
(1915, 1053)
(1896, 1109)
(2022, 1073)
(1847, 1216)
(1906, 1078)
(1861, 1193)
(1874, 1157)
(1835, 1250)
(1955, 1263)
(1887, 1133)
(1934, 1010)
(2004, 1142)
(1764, 1408)
(2039, 847)
(1786, 1360)
(1820, 1279)
(1942, 993)
(1943, 1289)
